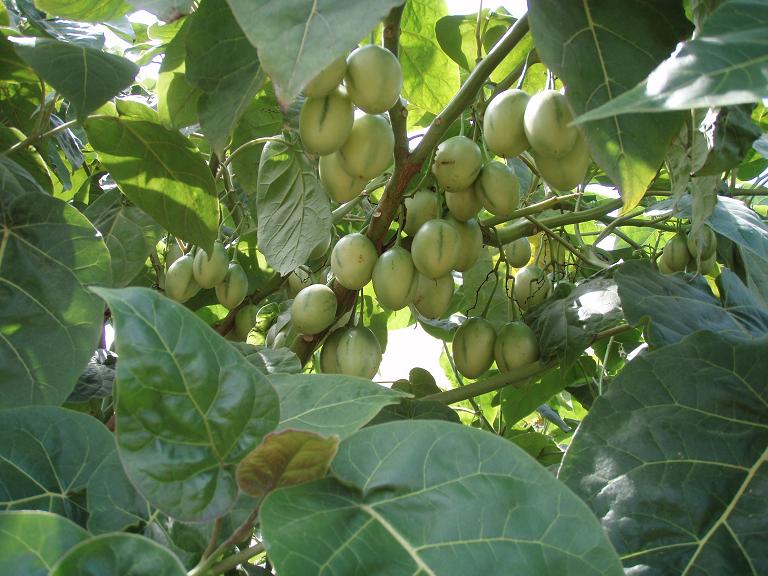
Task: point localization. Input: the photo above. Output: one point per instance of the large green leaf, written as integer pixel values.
(672, 459)
(189, 405)
(293, 212)
(49, 322)
(329, 403)
(85, 10)
(13, 68)
(47, 457)
(427, 498)
(15, 180)
(129, 232)
(162, 173)
(176, 96)
(678, 305)
(119, 555)
(262, 118)
(566, 326)
(601, 49)
(430, 78)
(225, 66)
(725, 64)
(736, 221)
(167, 10)
(85, 76)
(113, 502)
(312, 35)
(26, 543)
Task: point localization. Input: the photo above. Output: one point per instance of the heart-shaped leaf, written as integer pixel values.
(189, 407)
(672, 458)
(26, 545)
(47, 457)
(428, 497)
(49, 322)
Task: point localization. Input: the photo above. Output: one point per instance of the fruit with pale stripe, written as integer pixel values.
(325, 122)
(328, 78)
(463, 204)
(393, 277)
(432, 297)
(473, 347)
(503, 128)
(470, 243)
(498, 189)
(420, 208)
(373, 78)
(516, 346)
(675, 257)
(180, 283)
(351, 351)
(532, 287)
(457, 163)
(546, 120)
(352, 260)
(369, 149)
(339, 185)
(565, 173)
(314, 309)
(209, 271)
(234, 288)
(435, 248)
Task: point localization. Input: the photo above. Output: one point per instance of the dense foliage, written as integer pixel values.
(212, 225)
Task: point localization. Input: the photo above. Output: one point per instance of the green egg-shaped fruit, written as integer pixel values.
(565, 173)
(352, 260)
(373, 78)
(546, 120)
(245, 321)
(314, 309)
(351, 351)
(675, 257)
(470, 243)
(393, 277)
(432, 297)
(234, 288)
(369, 149)
(435, 248)
(328, 79)
(532, 287)
(515, 346)
(704, 241)
(172, 253)
(518, 252)
(498, 189)
(463, 204)
(503, 128)
(473, 347)
(420, 208)
(339, 185)
(299, 279)
(457, 163)
(325, 122)
(180, 283)
(209, 271)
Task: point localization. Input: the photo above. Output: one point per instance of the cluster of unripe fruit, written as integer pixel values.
(352, 150)
(679, 253)
(187, 274)
(515, 122)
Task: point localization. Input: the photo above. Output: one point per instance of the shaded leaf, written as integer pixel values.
(164, 9)
(539, 446)
(294, 214)
(678, 305)
(15, 180)
(430, 78)
(85, 10)
(190, 406)
(420, 383)
(270, 360)
(599, 50)
(723, 66)
(130, 234)
(423, 497)
(730, 133)
(413, 409)
(223, 64)
(311, 35)
(176, 96)
(13, 68)
(113, 503)
(672, 458)
(566, 326)
(85, 76)
(47, 457)
(162, 173)
(117, 555)
(737, 222)
(26, 545)
(49, 322)
(285, 458)
(329, 404)
(98, 378)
